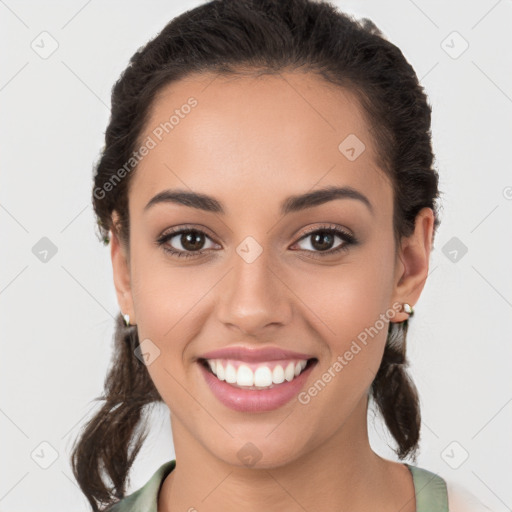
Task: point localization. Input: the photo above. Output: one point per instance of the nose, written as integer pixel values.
(253, 297)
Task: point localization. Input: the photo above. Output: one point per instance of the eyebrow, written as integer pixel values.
(291, 204)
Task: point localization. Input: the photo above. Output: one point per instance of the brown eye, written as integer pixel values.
(184, 243)
(192, 240)
(322, 240)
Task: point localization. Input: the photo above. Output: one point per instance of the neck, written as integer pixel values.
(343, 473)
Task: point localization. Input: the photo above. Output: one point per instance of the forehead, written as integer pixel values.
(247, 135)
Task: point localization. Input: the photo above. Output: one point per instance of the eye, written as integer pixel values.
(322, 239)
(190, 242)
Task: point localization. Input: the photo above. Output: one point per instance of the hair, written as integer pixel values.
(230, 37)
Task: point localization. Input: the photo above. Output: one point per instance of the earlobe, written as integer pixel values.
(413, 261)
(121, 275)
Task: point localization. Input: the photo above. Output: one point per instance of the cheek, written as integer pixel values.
(167, 302)
(166, 296)
(339, 305)
(351, 296)
(349, 306)
(172, 305)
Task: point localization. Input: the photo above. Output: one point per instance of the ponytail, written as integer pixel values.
(106, 438)
(395, 393)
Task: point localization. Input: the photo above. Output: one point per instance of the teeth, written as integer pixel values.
(220, 371)
(231, 374)
(289, 372)
(212, 363)
(262, 377)
(244, 376)
(278, 375)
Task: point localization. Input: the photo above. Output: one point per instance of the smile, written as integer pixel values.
(255, 387)
(256, 376)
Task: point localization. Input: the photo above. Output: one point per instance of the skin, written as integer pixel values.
(246, 137)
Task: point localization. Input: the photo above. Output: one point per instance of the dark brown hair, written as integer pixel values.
(257, 36)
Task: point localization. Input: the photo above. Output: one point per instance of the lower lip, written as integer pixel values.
(246, 400)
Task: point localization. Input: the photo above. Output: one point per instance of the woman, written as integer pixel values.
(268, 193)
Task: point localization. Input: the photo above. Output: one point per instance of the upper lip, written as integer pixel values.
(254, 355)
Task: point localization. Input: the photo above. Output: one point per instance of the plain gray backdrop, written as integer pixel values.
(58, 64)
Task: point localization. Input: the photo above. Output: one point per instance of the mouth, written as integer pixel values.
(257, 376)
(256, 387)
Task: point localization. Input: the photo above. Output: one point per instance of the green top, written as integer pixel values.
(430, 489)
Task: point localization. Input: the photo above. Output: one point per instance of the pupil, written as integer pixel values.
(322, 237)
(191, 240)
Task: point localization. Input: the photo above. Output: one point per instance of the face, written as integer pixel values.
(257, 268)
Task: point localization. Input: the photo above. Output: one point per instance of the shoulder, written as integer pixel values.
(145, 499)
(461, 500)
(435, 492)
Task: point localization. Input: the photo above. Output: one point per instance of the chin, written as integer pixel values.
(258, 452)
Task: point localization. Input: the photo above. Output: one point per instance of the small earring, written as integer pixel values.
(407, 308)
(127, 319)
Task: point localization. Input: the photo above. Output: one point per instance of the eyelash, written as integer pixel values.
(347, 238)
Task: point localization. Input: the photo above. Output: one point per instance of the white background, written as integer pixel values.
(57, 317)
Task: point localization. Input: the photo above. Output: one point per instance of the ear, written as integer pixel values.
(121, 272)
(412, 264)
